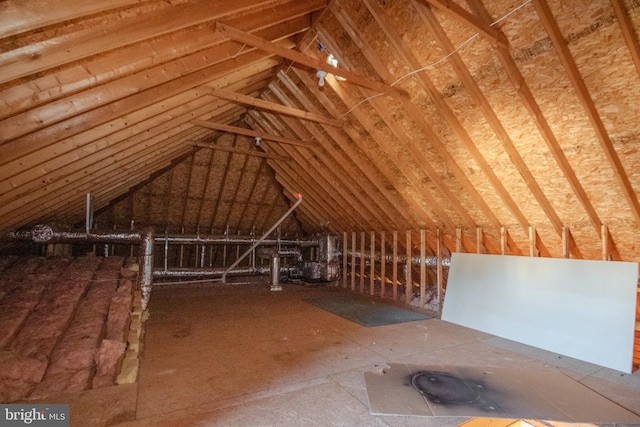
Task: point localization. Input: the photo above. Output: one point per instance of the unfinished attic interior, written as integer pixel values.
(198, 199)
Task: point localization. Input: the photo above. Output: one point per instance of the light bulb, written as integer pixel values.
(321, 75)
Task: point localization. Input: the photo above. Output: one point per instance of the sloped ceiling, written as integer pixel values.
(511, 126)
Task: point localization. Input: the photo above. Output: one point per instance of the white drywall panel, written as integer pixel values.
(578, 308)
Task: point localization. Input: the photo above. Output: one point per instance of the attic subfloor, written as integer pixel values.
(242, 355)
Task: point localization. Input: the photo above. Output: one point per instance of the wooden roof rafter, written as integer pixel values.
(580, 88)
(627, 32)
(345, 156)
(342, 172)
(460, 14)
(314, 169)
(404, 52)
(291, 179)
(410, 174)
(302, 59)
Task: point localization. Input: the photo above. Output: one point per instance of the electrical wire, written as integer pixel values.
(441, 60)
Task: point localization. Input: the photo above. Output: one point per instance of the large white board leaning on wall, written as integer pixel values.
(578, 308)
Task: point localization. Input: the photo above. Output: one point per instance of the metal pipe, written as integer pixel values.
(186, 273)
(145, 278)
(264, 236)
(45, 234)
(430, 261)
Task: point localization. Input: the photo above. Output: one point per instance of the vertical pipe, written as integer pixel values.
(88, 217)
(166, 250)
(274, 272)
(146, 266)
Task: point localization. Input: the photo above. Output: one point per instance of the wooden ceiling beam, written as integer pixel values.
(270, 106)
(252, 133)
(255, 153)
(579, 86)
(453, 10)
(299, 58)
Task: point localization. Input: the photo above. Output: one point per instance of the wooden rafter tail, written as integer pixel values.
(299, 58)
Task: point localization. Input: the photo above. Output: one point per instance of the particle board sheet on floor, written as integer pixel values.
(460, 391)
(579, 308)
(365, 311)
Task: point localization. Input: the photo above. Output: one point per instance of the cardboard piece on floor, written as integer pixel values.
(578, 308)
(502, 393)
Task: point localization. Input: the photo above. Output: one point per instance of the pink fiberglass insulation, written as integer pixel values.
(119, 316)
(16, 367)
(13, 390)
(108, 361)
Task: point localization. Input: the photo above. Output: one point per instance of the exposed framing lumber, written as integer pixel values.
(255, 153)
(371, 170)
(121, 32)
(627, 32)
(331, 156)
(270, 106)
(417, 116)
(353, 260)
(91, 120)
(453, 10)
(249, 132)
(411, 175)
(314, 174)
(363, 248)
(394, 265)
(372, 263)
(307, 61)
(579, 86)
(314, 171)
(345, 250)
